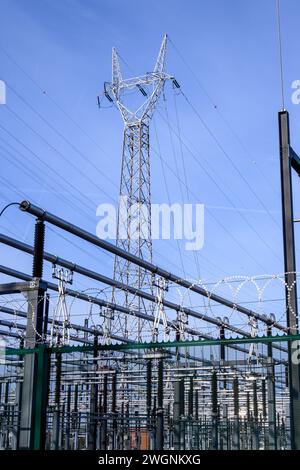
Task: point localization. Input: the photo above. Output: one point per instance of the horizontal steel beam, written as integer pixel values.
(17, 287)
(160, 345)
(20, 326)
(27, 206)
(73, 326)
(295, 161)
(9, 333)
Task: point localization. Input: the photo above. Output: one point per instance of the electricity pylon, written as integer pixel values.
(134, 212)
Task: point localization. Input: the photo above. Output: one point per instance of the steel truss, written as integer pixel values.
(134, 214)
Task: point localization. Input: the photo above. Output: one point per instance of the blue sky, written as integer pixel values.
(55, 56)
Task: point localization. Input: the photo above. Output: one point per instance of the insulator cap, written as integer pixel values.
(24, 205)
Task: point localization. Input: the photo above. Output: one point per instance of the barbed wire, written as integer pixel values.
(233, 288)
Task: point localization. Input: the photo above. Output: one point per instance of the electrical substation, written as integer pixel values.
(146, 374)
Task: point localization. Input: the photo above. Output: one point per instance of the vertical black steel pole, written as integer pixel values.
(6, 415)
(114, 409)
(149, 398)
(56, 412)
(222, 351)
(160, 407)
(191, 398)
(290, 270)
(149, 391)
(19, 388)
(255, 417)
(222, 345)
(38, 249)
(68, 418)
(153, 421)
(248, 406)
(236, 409)
(103, 431)
(190, 412)
(92, 432)
(62, 424)
(196, 415)
(264, 411)
(248, 422)
(75, 418)
(40, 399)
(272, 438)
(182, 414)
(263, 398)
(176, 415)
(214, 410)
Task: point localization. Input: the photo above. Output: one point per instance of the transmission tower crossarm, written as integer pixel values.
(156, 78)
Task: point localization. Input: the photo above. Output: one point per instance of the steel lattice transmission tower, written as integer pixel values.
(134, 213)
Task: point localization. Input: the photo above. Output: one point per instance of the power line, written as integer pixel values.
(40, 88)
(58, 152)
(220, 114)
(228, 199)
(45, 94)
(32, 174)
(22, 195)
(63, 137)
(195, 253)
(280, 53)
(46, 142)
(220, 146)
(55, 172)
(215, 218)
(53, 101)
(66, 140)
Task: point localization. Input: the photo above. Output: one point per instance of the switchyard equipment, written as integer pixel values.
(94, 390)
(67, 385)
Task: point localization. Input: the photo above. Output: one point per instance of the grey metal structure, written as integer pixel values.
(113, 401)
(187, 389)
(134, 212)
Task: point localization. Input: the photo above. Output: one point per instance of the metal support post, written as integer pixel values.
(182, 414)
(196, 418)
(214, 410)
(190, 412)
(103, 440)
(39, 418)
(149, 388)
(287, 160)
(114, 409)
(55, 444)
(272, 441)
(92, 432)
(68, 418)
(177, 408)
(34, 333)
(75, 418)
(255, 417)
(236, 423)
(149, 396)
(160, 408)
